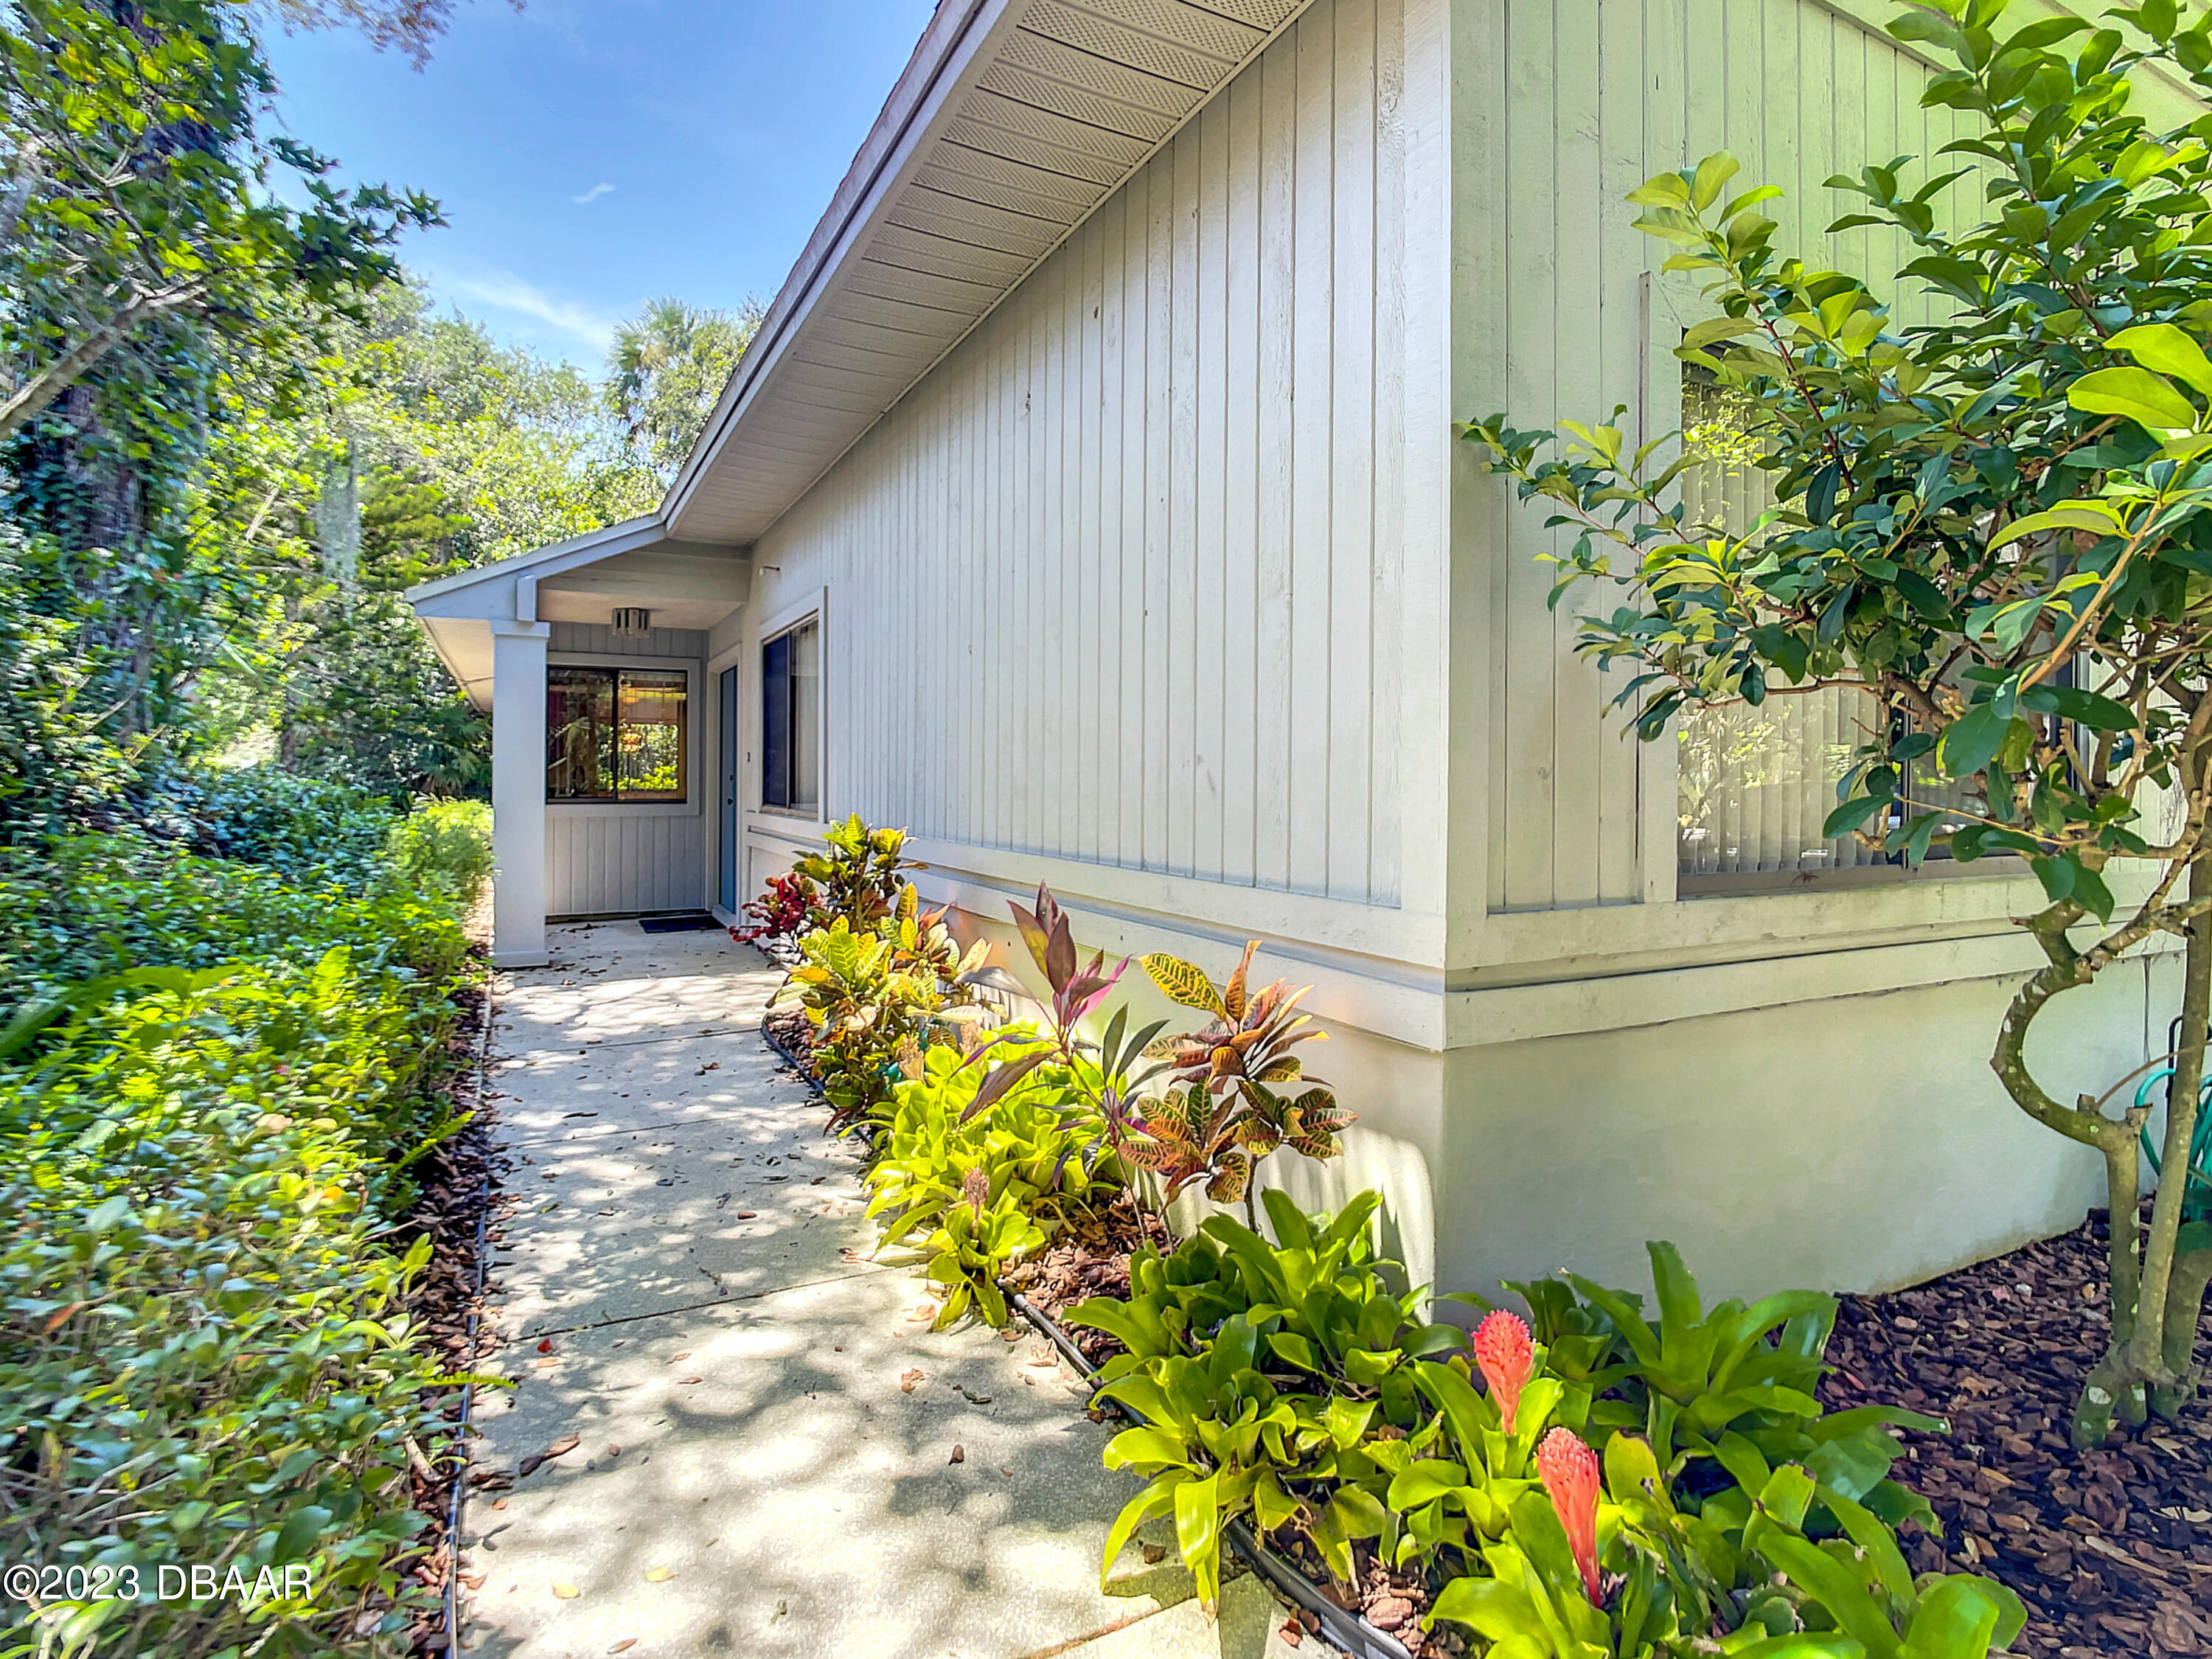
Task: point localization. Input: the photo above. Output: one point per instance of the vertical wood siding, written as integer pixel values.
(1600, 94)
(603, 860)
(1119, 581)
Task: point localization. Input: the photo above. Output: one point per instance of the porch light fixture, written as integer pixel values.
(631, 623)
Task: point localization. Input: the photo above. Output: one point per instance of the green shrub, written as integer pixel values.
(201, 1359)
(442, 848)
(1294, 1383)
(88, 906)
(313, 829)
(876, 1003)
(984, 1190)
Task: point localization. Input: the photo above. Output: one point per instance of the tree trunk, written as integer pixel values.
(2147, 1346)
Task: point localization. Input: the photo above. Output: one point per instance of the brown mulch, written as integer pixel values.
(790, 1028)
(1091, 1258)
(459, 1181)
(2111, 1549)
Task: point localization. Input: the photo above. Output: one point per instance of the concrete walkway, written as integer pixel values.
(684, 1290)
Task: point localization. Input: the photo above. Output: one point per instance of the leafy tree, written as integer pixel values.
(666, 370)
(409, 27)
(137, 186)
(1997, 527)
(427, 448)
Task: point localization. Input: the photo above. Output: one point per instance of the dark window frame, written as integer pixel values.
(779, 717)
(674, 678)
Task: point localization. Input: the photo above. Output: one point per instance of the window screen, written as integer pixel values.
(1755, 785)
(791, 719)
(616, 734)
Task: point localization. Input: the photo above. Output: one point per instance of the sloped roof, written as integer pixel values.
(1013, 120)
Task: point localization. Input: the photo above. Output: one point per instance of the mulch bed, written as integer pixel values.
(790, 1028)
(459, 1181)
(2111, 1549)
(1091, 1258)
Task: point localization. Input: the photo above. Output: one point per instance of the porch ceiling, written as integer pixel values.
(626, 566)
(1013, 120)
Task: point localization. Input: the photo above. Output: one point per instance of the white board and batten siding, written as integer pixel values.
(605, 859)
(1122, 582)
(1572, 104)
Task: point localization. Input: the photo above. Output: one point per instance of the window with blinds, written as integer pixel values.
(1755, 785)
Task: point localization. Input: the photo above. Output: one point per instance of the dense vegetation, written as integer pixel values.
(232, 431)
(1598, 1481)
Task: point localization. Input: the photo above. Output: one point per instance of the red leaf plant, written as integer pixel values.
(779, 912)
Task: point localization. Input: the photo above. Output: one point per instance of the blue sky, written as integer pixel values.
(592, 153)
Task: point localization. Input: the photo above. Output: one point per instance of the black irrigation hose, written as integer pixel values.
(1341, 1627)
(469, 1348)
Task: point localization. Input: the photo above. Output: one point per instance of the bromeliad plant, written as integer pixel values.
(1270, 1381)
(1996, 529)
(1601, 1560)
(1289, 1384)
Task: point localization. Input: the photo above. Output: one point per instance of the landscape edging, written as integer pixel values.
(1343, 1628)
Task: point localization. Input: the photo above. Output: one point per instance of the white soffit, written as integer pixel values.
(1013, 121)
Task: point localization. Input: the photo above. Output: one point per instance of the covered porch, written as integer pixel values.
(606, 664)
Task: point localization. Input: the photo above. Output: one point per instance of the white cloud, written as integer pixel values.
(591, 194)
(503, 292)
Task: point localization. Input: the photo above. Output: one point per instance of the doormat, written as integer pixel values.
(697, 922)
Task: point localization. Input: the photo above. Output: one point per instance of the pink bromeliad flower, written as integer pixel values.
(1503, 1349)
(1571, 1476)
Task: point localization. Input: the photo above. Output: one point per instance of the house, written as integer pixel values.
(1088, 503)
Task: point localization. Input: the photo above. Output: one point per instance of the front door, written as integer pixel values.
(728, 773)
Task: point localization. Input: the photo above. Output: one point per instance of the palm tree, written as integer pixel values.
(667, 369)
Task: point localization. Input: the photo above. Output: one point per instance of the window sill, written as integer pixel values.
(629, 809)
(1734, 885)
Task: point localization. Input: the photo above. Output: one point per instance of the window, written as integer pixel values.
(616, 734)
(791, 719)
(1755, 785)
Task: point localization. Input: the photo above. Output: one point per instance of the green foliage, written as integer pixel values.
(1273, 1381)
(443, 849)
(61, 768)
(875, 1003)
(142, 191)
(982, 1189)
(1996, 526)
(94, 906)
(201, 1357)
(1290, 1382)
(668, 366)
(1735, 1384)
(310, 830)
(857, 876)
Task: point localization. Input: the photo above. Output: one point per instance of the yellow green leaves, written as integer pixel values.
(1181, 982)
(2097, 518)
(1158, 1498)
(2134, 394)
(2145, 393)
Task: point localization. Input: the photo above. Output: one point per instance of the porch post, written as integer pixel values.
(517, 793)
